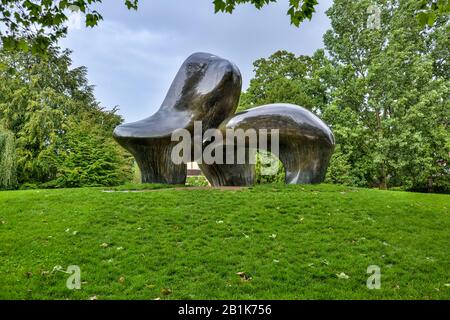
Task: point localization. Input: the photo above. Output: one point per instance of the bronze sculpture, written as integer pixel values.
(207, 89)
(305, 145)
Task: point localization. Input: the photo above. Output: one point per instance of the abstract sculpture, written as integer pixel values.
(207, 89)
(305, 145)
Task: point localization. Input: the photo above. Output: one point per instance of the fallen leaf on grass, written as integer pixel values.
(244, 276)
(325, 261)
(57, 268)
(166, 291)
(342, 276)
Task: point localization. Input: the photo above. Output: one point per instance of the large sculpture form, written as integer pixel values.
(305, 145)
(207, 89)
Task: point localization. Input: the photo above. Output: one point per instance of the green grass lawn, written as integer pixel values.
(291, 242)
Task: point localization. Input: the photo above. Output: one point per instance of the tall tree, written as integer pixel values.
(384, 91)
(8, 179)
(37, 24)
(288, 78)
(390, 87)
(40, 99)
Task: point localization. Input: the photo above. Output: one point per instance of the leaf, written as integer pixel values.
(422, 17)
(166, 291)
(244, 276)
(431, 19)
(342, 276)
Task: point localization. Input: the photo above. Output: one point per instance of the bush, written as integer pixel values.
(28, 186)
(92, 159)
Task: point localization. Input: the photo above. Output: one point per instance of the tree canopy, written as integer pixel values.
(51, 112)
(37, 24)
(384, 92)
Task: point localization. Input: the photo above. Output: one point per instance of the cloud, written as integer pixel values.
(132, 57)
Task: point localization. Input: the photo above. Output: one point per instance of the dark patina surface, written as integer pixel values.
(207, 89)
(305, 145)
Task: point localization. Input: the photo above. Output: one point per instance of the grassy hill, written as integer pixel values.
(286, 242)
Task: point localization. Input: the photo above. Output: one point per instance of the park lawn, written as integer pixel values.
(290, 242)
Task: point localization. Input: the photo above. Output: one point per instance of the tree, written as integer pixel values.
(428, 11)
(36, 24)
(90, 157)
(41, 100)
(299, 10)
(287, 78)
(385, 93)
(8, 179)
(392, 90)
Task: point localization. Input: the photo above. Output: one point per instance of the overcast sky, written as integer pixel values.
(132, 56)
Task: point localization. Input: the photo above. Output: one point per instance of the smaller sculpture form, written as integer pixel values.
(305, 145)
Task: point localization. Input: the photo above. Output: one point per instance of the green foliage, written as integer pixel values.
(284, 77)
(428, 11)
(43, 102)
(391, 94)
(8, 179)
(299, 10)
(90, 158)
(385, 93)
(34, 25)
(281, 236)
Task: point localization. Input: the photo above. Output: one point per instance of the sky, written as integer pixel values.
(133, 56)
